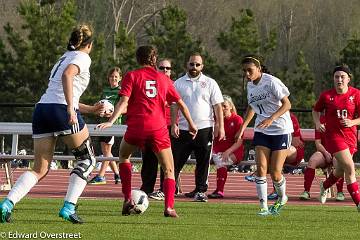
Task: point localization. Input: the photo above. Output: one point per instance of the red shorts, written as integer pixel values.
(337, 145)
(155, 140)
(300, 153)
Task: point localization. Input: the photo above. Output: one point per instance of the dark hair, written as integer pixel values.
(264, 69)
(344, 68)
(146, 55)
(251, 59)
(165, 59)
(80, 37)
(112, 70)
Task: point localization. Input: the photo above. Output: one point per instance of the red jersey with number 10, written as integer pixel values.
(148, 91)
(338, 107)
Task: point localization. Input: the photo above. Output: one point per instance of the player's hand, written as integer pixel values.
(297, 143)
(346, 122)
(72, 116)
(265, 123)
(98, 108)
(225, 155)
(328, 157)
(219, 132)
(175, 132)
(193, 131)
(103, 125)
(320, 127)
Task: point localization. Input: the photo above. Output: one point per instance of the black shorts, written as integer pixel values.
(273, 142)
(50, 119)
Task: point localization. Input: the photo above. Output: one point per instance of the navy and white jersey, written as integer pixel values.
(55, 93)
(265, 99)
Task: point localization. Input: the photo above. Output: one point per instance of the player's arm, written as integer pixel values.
(316, 118)
(249, 114)
(67, 79)
(94, 109)
(120, 108)
(286, 106)
(219, 122)
(173, 116)
(186, 113)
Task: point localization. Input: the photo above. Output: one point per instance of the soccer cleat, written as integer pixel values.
(264, 212)
(279, 204)
(128, 207)
(250, 178)
(323, 193)
(170, 212)
(216, 195)
(304, 195)
(117, 178)
(5, 209)
(97, 180)
(340, 197)
(68, 213)
(157, 195)
(190, 194)
(273, 196)
(200, 197)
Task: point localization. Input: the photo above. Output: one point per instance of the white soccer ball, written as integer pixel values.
(109, 107)
(141, 201)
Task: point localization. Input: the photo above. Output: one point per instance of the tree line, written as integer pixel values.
(27, 53)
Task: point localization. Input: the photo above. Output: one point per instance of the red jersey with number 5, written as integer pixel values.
(148, 91)
(338, 107)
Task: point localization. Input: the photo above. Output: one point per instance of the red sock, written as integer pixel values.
(169, 192)
(331, 180)
(125, 176)
(353, 189)
(221, 176)
(309, 175)
(340, 185)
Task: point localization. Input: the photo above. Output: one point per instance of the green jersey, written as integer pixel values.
(112, 95)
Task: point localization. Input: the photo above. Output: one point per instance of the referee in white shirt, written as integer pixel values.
(203, 97)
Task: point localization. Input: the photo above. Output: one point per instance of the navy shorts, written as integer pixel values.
(273, 142)
(51, 119)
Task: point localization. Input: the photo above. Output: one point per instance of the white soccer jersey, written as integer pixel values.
(55, 93)
(199, 95)
(265, 99)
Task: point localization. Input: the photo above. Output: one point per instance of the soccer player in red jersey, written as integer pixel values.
(320, 159)
(145, 92)
(227, 151)
(342, 110)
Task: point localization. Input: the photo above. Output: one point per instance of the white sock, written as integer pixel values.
(75, 188)
(22, 186)
(280, 188)
(261, 189)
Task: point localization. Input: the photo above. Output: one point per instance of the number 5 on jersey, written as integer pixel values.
(150, 86)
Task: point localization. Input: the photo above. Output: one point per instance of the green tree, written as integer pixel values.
(301, 86)
(350, 55)
(26, 64)
(173, 41)
(240, 39)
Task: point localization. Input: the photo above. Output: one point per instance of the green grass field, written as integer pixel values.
(197, 221)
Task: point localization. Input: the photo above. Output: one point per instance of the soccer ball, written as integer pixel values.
(109, 108)
(141, 201)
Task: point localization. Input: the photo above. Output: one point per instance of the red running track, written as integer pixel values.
(237, 189)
